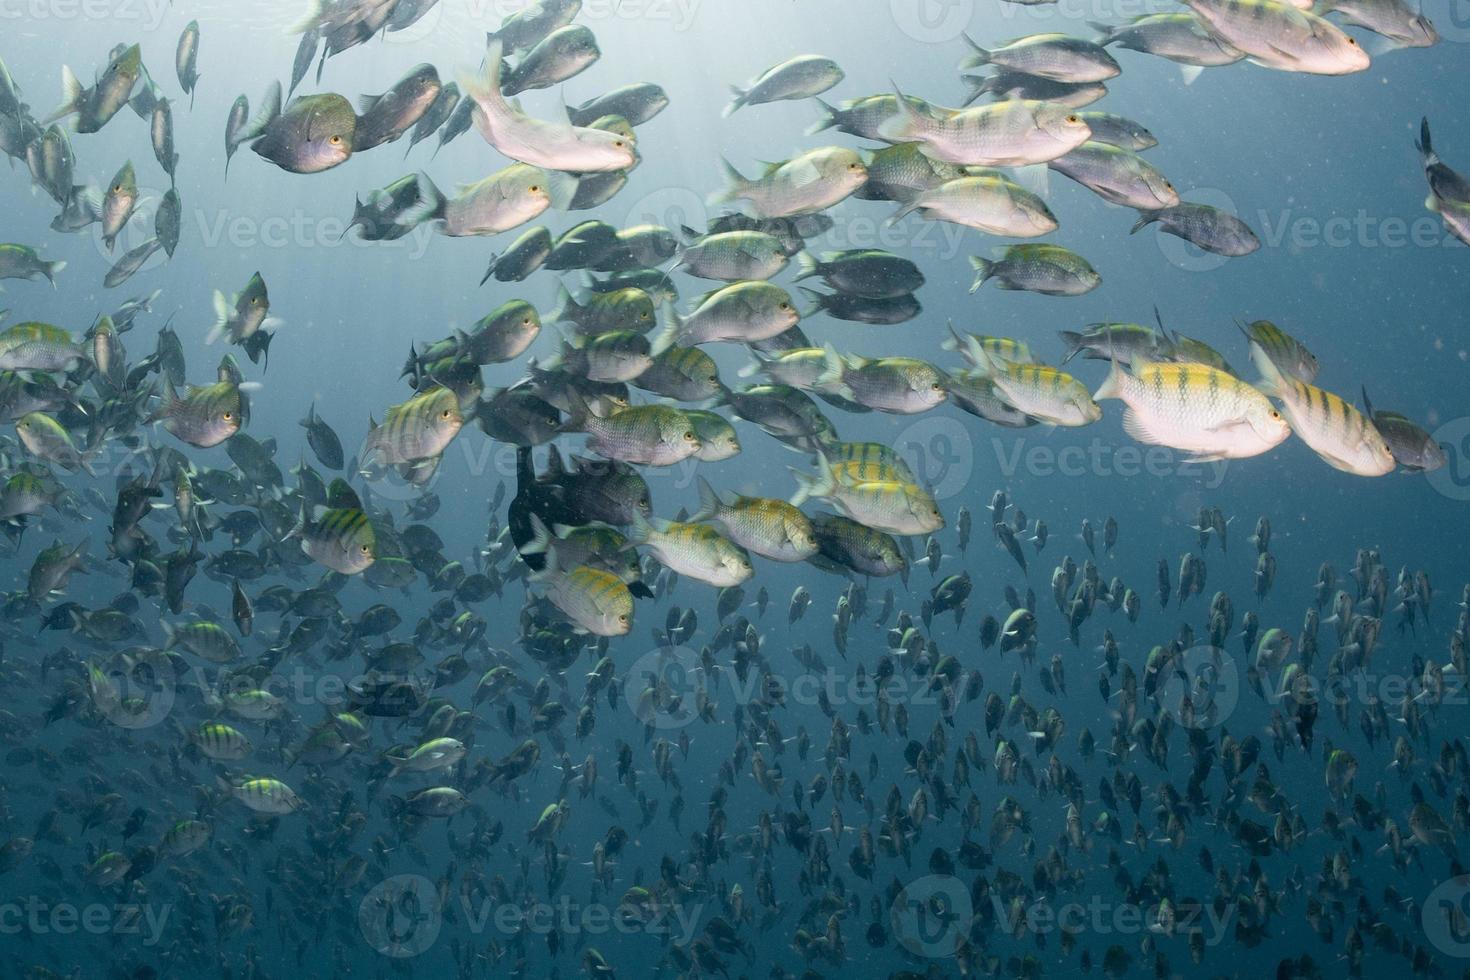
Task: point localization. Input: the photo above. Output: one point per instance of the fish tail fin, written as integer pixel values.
(984, 269)
(806, 266)
(221, 318)
(736, 184)
(298, 530)
(71, 96)
(1145, 218)
(50, 269)
(270, 109)
(1105, 34)
(832, 369)
(1112, 386)
(740, 95)
(817, 298)
(681, 333)
(1270, 383)
(665, 338)
(1073, 340)
(561, 188)
(1190, 73)
(429, 206)
(1423, 145)
(831, 116)
(909, 201)
(310, 19)
(540, 542)
(809, 485)
(641, 530)
(709, 502)
(485, 90)
(978, 58)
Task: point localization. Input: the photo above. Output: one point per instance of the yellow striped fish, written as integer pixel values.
(1041, 391)
(1196, 408)
(1336, 431)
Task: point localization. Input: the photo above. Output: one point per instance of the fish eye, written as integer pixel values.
(444, 414)
(117, 188)
(1352, 42)
(1275, 414)
(785, 305)
(365, 549)
(936, 386)
(622, 617)
(689, 436)
(336, 141)
(228, 416)
(535, 188)
(1074, 118)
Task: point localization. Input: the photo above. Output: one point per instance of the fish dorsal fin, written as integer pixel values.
(340, 496)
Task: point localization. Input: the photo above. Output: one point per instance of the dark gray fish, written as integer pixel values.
(387, 117)
(565, 52)
(1203, 226)
(311, 39)
(1412, 447)
(236, 127)
(130, 263)
(322, 439)
(443, 107)
(459, 123)
(167, 220)
(522, 257)
(637, 103)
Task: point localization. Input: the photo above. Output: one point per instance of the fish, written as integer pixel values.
(24, 262)
(1047, 269)
(186, 59)
(1011, 133)
(564, 53)
(1054, 56)
(314, 133)
(1339, 433)
(1203, 225)
(1449, 192)
(802, 77)
(1411, 447)
(548, 145)
(385, 118)
(1278, 35)
(94, 107)
(339, 536)
(1194, 408)
(805, 184)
